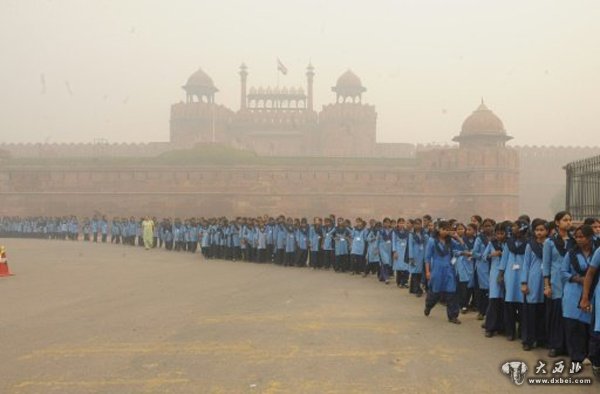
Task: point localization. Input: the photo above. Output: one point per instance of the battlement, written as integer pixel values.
(24, 150)
(196, 110)
(275, 117)
(351, 111)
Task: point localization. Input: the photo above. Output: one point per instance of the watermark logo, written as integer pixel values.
(516, 370)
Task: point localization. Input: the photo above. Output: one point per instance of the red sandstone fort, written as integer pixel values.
(277, 154)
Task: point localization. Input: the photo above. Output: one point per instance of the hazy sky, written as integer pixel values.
(76, 70)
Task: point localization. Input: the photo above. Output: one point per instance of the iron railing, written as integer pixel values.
(583, 188)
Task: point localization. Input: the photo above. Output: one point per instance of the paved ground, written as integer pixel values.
(89, 318)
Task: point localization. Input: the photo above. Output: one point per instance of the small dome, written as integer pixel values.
(482, 121)
(200, 79)
(349, 80)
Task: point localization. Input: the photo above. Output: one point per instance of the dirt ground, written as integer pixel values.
(93, 318)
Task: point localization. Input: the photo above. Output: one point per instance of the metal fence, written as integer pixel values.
(583, 188)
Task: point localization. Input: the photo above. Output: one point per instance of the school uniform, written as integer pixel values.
(290, 246)
(385, 254)
(358, 250)
(314, 243)
(280, 241)
(416, 259)
(168, 236)
(251, 239)
(302, 242)
(399, 250)
(103, 230)
(594, 340)
(139, 233)
(270, 241)
(213, 235)
(372, 257)
(533, 329)
(465, 270)
(494, 316)
(328, 247)
(261, 244)
(342, 257)
(553, 255)
(86, 231)
(577, 321)
(114, 232)
(482, 274)
(95, 224)
(205, 241)
(236, 242)
(510, 266)
(223, 241)
(442, 257)
(194, 234)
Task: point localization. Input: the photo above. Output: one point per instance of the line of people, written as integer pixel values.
(533, 280)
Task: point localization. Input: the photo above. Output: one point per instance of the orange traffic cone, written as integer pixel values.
(4, 271)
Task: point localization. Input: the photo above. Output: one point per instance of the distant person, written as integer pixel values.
(148, 232)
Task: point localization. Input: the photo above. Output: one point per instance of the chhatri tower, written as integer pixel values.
(281, 121)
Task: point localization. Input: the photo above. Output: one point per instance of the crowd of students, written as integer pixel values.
(533, 280)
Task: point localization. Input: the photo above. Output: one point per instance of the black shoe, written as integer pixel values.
(596, 372)
(427, 311)
(553, 353)
(489, 334)
(454, 320)
(526, 347)
(510, 338)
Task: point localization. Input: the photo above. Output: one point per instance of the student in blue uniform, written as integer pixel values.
(203, 236)
(342, 237)
(555, 249)
(103, 226)
(510, 274)
(290, 243)
(87, 229)
(328, 243)
(573, 271)
(494, 317)
(314, 242)
(280, 240)
(372, 257)
(482, 266)
(261, 235)
(95, 227)
(385, 251)
(399, 253)
(168, 235)
(465, 268)
(358, 247)
(594, 223)
(417, 240)
(440, 257)
(115, 233)
(302, 242)
(533, 332)
(590, 303)
(138, 232)
(251, 238)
